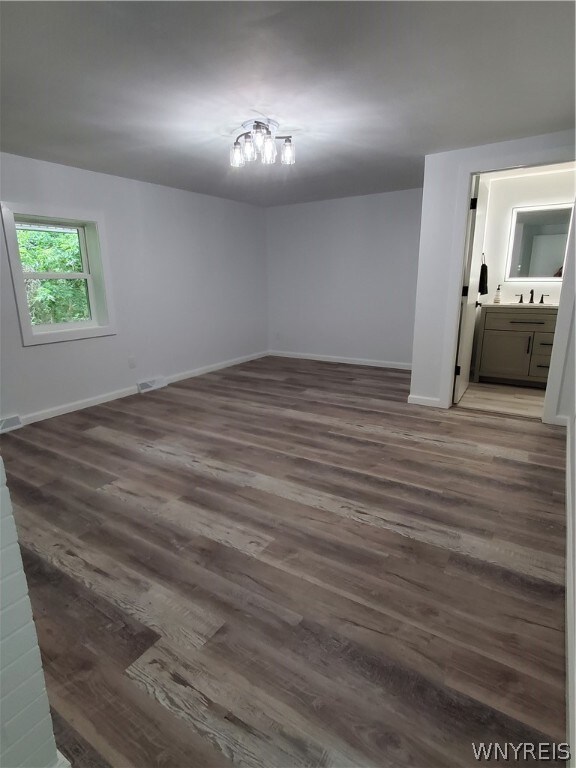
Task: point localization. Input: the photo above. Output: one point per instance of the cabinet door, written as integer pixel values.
(506, 354)
(539, 366)
(543, 343)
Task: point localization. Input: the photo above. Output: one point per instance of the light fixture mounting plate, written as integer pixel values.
(273, 125)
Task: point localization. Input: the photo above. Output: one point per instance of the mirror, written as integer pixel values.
(538, 238)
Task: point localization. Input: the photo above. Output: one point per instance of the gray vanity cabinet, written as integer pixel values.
(515, 343)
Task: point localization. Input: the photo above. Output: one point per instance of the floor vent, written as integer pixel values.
(10, 422)
(148, 386)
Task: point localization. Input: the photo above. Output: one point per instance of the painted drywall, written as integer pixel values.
(517, 192)
(560, 400)
(560, 406)
(445, 206)
(567, 396)
(342, 277)
(25, 724)
(187, 279)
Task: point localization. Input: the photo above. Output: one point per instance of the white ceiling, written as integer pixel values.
(155, 90)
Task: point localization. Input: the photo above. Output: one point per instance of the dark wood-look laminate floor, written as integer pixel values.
(283, 564)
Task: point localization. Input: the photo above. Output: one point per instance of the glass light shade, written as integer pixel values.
(249, 151)
(288, 154)
(269, 150)
(258, 136)
(236, 155)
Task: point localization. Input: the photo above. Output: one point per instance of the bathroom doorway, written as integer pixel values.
(516, 246)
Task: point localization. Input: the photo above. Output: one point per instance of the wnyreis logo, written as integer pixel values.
(544, 750)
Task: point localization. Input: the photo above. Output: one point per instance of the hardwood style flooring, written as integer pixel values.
(502, 398)
(283, 564)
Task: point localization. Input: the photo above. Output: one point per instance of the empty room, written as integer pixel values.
(287, 384)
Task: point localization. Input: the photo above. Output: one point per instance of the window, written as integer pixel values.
(58, 277)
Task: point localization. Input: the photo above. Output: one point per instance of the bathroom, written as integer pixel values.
(514, 262)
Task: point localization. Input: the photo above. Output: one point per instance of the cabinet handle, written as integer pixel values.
(527, 322)
(528, 345)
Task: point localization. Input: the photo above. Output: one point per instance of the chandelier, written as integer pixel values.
(258, 141)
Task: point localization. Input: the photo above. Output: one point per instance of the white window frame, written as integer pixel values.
(90, 230)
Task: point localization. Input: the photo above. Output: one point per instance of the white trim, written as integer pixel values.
(56, 275)
(214, 367)
(101, 322)
(66, 332)
(564, 323)
(431, 402)
(77, 405)
(558, 420)
(61, 761)
(336, 359)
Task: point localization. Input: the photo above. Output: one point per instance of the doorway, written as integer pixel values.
(516, 246)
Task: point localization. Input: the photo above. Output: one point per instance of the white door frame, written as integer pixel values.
(471, 302)
(560, 349)
(442, 242)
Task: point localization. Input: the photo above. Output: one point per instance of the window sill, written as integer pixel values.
(77, 332)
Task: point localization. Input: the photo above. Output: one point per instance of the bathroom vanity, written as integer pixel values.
(515, 343)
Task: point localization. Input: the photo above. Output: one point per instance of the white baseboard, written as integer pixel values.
(346, 360)
(432, 402)
(61, 761)
(214, 367)
(558, 420)
(77, 405)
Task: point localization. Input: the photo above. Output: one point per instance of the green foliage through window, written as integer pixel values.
(57, 301)
(49, 250)
(53, 250)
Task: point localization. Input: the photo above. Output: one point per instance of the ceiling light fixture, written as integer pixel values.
(258, 140)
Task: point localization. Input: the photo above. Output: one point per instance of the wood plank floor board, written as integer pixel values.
(127, 728)
(416, 438)
(230, 721)
(283, 564)
(385, 465)
(75, 748)
(390, 439)
(62, 603)
(400, 515)
(129, 590)
(504, 398)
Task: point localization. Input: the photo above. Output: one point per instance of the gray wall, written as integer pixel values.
(187, 280)
(197, 281)
(342, 277)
